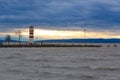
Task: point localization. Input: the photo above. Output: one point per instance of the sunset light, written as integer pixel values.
(60, 34)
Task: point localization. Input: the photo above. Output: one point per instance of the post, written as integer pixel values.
(19, 36)
(85, 36)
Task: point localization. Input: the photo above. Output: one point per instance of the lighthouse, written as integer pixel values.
(31, 34)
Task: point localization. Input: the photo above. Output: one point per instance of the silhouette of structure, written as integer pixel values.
(85, 33)
(19, 36)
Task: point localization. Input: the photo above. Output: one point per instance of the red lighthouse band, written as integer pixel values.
(31, 34)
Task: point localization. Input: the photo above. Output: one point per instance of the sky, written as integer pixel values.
(61, 19)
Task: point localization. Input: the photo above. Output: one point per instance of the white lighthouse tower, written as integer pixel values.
(31, 34)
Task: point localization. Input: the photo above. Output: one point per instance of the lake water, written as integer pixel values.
(60, 63)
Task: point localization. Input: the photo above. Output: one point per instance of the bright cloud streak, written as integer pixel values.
(61, 34)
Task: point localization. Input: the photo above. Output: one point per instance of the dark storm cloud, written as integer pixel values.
(80, 13)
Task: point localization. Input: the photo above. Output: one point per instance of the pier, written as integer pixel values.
(12, 44)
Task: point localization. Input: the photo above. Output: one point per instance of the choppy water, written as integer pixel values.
(59, 63)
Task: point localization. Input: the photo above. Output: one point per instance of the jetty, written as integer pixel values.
(25, 44)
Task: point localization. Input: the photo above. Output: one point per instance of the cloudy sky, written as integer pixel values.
(61, 18)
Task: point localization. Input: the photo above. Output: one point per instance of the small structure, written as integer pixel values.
(115, 45)
(19, 35)
(31, 34)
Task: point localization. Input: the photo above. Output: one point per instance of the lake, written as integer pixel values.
(60, 63)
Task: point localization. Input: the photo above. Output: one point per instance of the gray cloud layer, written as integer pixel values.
(89, 13)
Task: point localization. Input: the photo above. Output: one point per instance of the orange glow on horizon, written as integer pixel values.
(62, 34)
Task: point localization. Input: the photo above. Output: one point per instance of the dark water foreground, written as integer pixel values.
(60, 63)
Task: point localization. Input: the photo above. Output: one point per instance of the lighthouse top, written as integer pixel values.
(31, 27)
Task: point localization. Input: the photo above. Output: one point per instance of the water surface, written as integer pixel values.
(60, 63)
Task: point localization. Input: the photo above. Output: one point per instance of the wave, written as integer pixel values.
(106, 68)
(88, 77)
